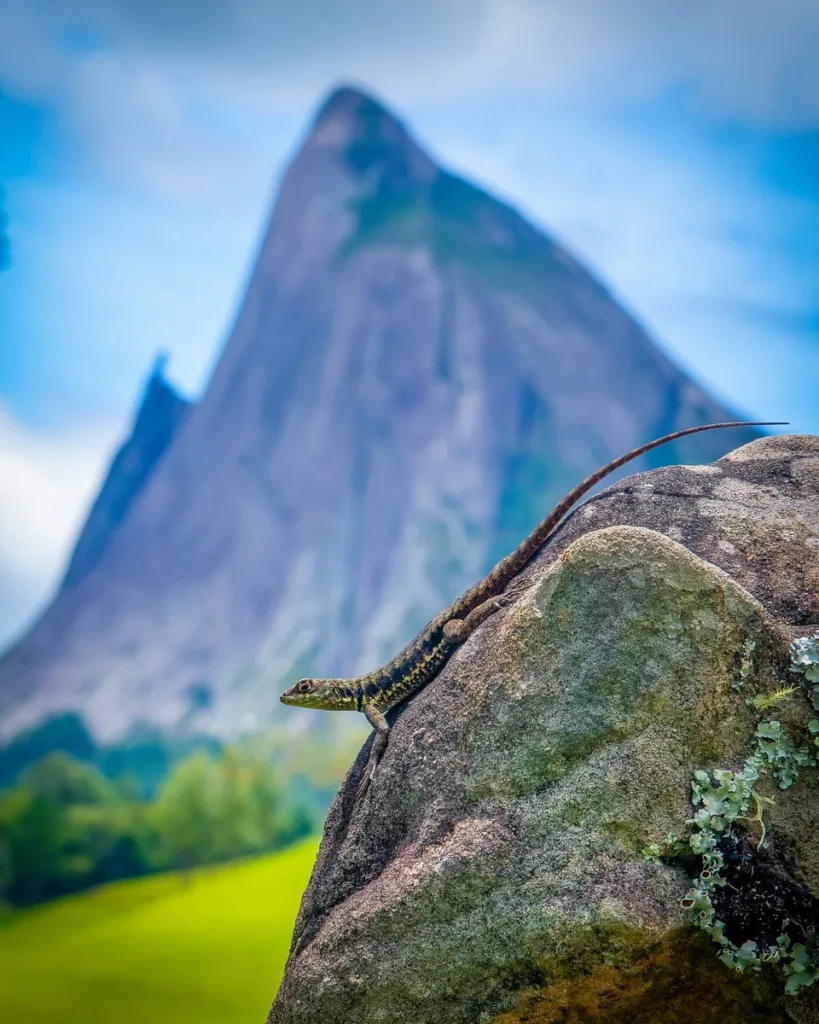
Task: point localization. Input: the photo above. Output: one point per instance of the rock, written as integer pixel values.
(494, 871)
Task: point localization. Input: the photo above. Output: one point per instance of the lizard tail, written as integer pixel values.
(521, 556)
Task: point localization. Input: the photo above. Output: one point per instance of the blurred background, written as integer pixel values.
(308, 313)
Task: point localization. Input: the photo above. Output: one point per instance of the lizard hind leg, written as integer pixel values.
(380, 740)
(457, 630)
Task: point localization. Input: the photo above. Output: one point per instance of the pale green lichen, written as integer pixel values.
(746, 666)
(724, 797)
(786, 760)
(805, 661)
(667, 849)
(800, 963)
(805, 657)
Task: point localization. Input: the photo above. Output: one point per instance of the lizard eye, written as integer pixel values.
(304, 686)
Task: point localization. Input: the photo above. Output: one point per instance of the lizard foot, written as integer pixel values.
(516, 588)
(364, 784)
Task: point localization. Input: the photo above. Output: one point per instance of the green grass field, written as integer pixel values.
(210, 949)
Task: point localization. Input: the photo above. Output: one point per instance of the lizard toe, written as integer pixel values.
(364, 785)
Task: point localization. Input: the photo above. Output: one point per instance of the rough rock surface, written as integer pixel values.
(493, 872)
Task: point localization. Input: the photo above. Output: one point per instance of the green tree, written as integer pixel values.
(65, 828)
(239, 826)
(6, 871)
(187, 815)
(64, 780)
(67, 732)
(271, 807)
(33, 833)
(106, 842)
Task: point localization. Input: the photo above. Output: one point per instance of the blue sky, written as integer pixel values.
(674, 147)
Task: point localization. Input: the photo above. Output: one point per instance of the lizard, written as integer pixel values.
(377, 693)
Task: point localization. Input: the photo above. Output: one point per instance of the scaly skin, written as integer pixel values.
(422, 659)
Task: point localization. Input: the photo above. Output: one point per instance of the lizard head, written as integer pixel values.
(325, 694)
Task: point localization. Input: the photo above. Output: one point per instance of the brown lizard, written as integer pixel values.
(421, 660)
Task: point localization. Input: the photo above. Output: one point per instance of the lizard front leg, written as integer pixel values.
(457, 630)
(382, 735)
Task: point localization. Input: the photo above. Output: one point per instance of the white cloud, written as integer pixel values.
(188, 102)
(277, 34)
(749, 59)
(47, 480)
(128, 116)
(31, 63)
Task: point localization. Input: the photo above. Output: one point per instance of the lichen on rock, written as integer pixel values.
(495, 871)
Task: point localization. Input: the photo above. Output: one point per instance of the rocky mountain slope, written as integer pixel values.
(160, 415)
(414, 375)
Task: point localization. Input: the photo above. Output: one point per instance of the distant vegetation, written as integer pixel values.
(77, 815)
(146, 754)
(206, 946)
(65, 827)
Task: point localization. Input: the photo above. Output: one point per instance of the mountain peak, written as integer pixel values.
(349, 102)
(367, 135)
(160, 414)
(160, 365)
(355, 153)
